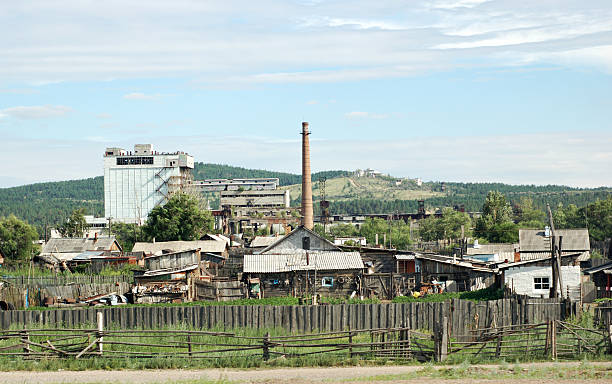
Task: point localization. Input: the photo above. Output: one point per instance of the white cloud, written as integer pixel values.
(142, 96)
(103, 116)
(247, 42)
(459, 4)
(312, 102)
(35, 112)
(365, 115)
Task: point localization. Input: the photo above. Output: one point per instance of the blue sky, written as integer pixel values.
(456, 90)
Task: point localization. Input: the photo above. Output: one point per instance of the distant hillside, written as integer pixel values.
(51, 203)
(218, 171)
(362, 195)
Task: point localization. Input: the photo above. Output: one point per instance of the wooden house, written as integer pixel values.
(454, 275)
(533, 278)
(304, 272)
(168, 277)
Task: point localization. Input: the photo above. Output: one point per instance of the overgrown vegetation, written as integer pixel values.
(479, 295)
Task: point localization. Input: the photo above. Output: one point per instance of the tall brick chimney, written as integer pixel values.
(307, 214)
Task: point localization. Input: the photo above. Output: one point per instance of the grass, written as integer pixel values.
(503, 371)
(479, 295)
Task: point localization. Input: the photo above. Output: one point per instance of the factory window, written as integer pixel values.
(541, 283)
(327, 282)
(134, 160)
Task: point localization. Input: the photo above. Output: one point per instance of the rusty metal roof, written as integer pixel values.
(300, 260)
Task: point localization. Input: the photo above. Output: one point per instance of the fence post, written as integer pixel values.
(444, 341)
(189, 344)
(350, 344)
(553, 339)
(25, 337)
(441, 340)
(100, 332)
(266, 347)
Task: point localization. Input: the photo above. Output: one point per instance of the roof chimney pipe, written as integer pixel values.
(307, 213)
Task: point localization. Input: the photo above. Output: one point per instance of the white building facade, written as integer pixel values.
(536, 281)
(136, 182)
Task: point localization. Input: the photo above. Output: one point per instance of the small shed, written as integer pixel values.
(301, 272)
(455, 274)
(601, 277)
(168, 277)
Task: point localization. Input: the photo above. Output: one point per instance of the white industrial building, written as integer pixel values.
(136, 182)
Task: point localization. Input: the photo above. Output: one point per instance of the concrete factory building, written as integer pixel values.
(136, 182)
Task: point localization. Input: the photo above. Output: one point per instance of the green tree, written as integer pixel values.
(430, 229)
(599, 216)
(75, 225)
(128, 234)
(320, 230)
(182, 218)
(374, 226)
(17, 239)
(496, 223)
(451, 223)
(527, 216)
(343, 230)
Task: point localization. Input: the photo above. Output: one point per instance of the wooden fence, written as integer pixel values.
(463, 316)
(398, 343)
(44, 281)
(554, 339)
(17, 294)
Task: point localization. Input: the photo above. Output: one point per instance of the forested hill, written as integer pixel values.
(217, 171)
(51, 203)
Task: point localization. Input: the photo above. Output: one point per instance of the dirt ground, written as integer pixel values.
(298, 375)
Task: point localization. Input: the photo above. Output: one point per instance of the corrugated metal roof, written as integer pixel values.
(211, 246)
(489, 249)
(535, 240)
(598, 268)
(69, 245)
(263, 241)
(404, 257)
(299, 261)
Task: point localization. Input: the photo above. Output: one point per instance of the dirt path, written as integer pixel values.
(281, 375)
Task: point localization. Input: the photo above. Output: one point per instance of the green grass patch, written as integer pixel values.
(479, 295)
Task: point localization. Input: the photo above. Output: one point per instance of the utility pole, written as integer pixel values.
(555, 257)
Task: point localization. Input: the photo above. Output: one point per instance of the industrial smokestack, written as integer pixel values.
(307, 214)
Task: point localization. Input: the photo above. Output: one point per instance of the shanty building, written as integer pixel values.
(62, 252)
(136, 182)
(601, 280)
(300, 272)
(168, 277)
(215, 250)
(454, 275)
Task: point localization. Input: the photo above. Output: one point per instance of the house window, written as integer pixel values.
(327, 282)
(541, 282)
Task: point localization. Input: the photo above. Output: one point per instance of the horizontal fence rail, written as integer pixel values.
(463, 316)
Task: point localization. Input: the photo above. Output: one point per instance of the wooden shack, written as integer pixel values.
(302, 273)
(455, 275)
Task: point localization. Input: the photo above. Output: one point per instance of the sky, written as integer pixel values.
(506, 91)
